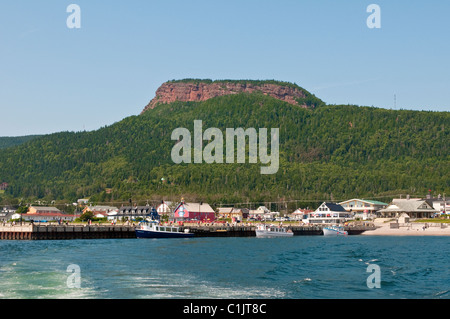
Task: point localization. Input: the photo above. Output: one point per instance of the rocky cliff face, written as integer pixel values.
(201, 91)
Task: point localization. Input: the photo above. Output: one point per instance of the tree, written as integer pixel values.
(87, 215)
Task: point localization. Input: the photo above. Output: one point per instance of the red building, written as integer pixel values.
(194, 212)
(3, 186)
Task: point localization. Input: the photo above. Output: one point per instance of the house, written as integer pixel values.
(232, 213)
(44, 214)
(100, 210)
(165, 208)
(132, 212)
(363, 207)
(329, 213)
(3, 186)
(194, 211)
(34, 210)
(83, 201)
(413, 207)
(7, 213)
(224, 212)
(439, 204)
(101, 215)
(259, 213)
(300, 214)
(271, 215)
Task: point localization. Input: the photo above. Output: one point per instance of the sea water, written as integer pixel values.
(250, 268)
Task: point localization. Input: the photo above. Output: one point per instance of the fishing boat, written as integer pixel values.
(334, 231)
(272, 231)
(155, 230)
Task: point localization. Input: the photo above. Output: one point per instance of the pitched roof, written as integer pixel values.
(335, 207)
(101, 208)
(47, 209)
(408, 205)
(375, 202)
(198, 207)
(224, 210)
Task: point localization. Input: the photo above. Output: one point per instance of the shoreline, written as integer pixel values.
(414, 229)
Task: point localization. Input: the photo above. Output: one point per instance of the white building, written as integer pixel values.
(363, 205)
(8, 213)
(259, 213)
(165, 208)
(439, 204)
(329, 213)
(299, 214)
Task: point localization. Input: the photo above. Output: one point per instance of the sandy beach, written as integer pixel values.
(414, 229)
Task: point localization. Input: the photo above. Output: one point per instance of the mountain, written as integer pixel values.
(196, 90)
(326, 152)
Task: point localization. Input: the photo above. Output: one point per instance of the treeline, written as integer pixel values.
(14, 141)
(335, 151)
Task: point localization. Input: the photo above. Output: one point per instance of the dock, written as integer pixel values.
(249, 231)
(48, 232)
(61, 232)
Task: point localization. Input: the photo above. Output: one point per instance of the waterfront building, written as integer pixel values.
(8, 213)
(232, 213)
(259, 213)
(133, 212)
(413, 207)
(47, 214)
(165, 208)
(103, 210)
(363, 208)
(329, 213)
(439, 204)
(300, 214)
(194, 212)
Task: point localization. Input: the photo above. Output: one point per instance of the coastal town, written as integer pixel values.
(400, 216)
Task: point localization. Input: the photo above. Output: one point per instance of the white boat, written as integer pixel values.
(272, 231)
(334, 231)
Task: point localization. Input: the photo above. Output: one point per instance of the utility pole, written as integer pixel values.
(445, 203)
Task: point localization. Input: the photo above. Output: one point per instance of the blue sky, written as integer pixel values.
(53, 78)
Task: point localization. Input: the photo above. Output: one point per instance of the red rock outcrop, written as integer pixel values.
(202, 91)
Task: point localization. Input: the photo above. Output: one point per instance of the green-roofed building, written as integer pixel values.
(367, 207)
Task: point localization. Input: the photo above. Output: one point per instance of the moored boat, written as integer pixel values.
(273, 231)
(334, 231)
(155, 230)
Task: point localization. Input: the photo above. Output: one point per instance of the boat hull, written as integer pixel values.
(161, 234)
(333, 232)
(262, 233)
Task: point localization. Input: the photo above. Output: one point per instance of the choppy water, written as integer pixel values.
(281, 268)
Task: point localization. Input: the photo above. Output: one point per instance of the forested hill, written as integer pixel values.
(333, 151)
(14, 141)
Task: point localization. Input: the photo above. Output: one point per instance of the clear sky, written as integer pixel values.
(53, 78)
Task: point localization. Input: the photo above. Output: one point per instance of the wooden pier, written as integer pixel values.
(249, 231)
(60, 232)
(45, 232)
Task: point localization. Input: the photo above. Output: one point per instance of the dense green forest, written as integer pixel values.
(330, 152)
(14, 141)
